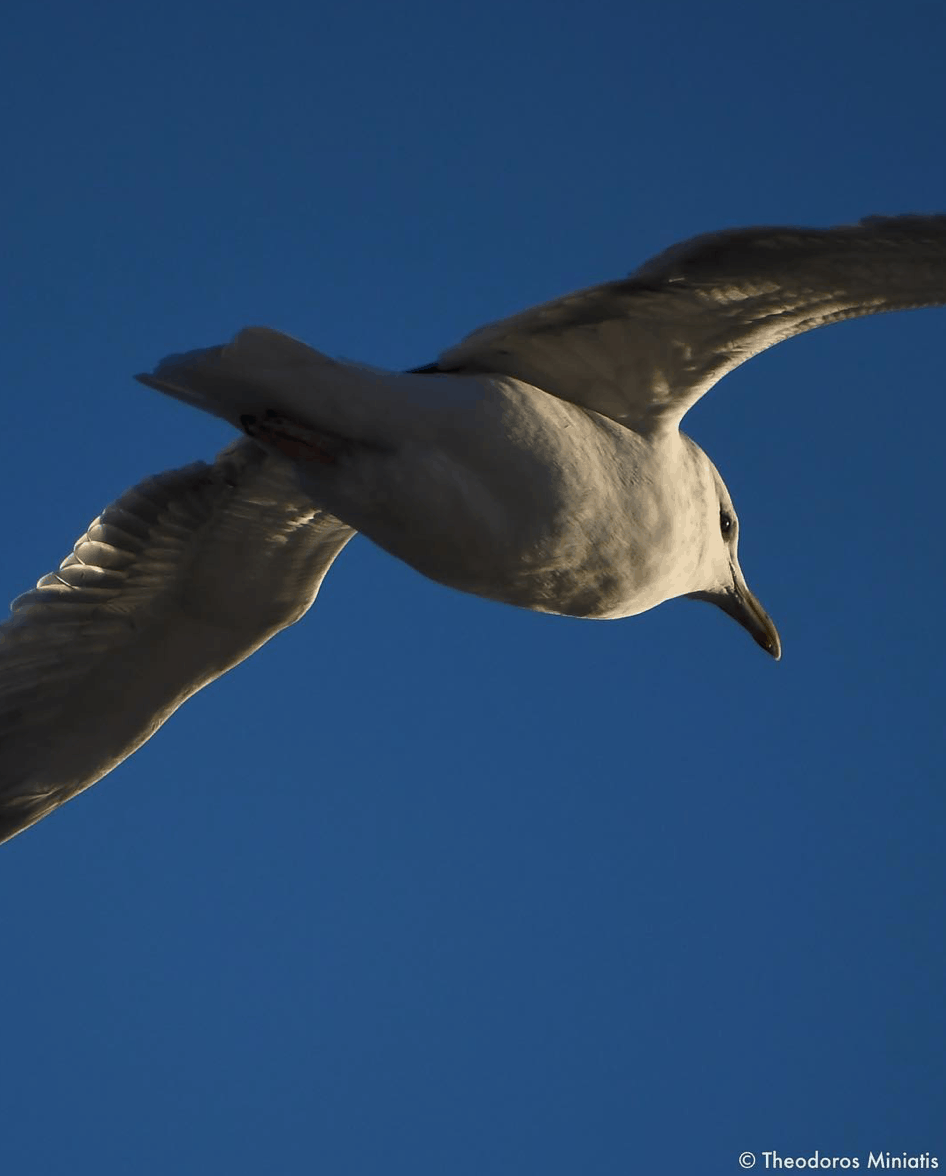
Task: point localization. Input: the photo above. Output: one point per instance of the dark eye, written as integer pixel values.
(727, 524)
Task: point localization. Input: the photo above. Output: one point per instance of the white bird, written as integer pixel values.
(538, 462)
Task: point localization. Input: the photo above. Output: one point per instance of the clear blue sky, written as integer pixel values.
(429, 885)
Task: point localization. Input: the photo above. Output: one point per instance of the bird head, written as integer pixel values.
(725, 584)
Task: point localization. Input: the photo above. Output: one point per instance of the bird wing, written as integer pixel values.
(643, 350)
(182, 577)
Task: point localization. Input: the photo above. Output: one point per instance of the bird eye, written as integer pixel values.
(727, 524)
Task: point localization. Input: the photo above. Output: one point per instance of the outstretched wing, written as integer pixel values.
(645, 349)
(178, 580)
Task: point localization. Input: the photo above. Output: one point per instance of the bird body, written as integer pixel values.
(483, 483)
(539, 462)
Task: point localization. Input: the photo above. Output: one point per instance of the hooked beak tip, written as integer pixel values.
(740, 604)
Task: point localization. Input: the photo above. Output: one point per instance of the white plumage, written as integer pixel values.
(538, 462)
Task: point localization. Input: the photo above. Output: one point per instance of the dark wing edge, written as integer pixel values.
(647, 347)
(181, 578)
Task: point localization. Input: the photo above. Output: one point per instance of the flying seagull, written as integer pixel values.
(538, 462)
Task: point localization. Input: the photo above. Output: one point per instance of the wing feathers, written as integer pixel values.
(180, 579)
(645, 349)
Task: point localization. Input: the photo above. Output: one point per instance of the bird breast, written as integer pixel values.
(520, 497)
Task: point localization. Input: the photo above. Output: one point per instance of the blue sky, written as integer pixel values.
(430, 885)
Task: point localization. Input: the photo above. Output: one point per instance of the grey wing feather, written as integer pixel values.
(178, 580)
(646, 348)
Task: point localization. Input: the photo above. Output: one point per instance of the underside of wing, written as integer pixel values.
(643, 350)
(178, 580)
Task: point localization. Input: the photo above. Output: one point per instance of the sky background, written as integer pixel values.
(430, 885)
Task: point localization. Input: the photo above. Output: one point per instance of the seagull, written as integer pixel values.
(538, 462)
